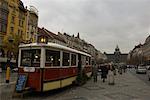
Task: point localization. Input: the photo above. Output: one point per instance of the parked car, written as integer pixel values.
(147, 66)
(148, 73)
(141, 69)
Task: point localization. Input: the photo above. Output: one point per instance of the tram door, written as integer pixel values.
(79, 63)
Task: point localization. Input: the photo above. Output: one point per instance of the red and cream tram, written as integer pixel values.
(51, 66)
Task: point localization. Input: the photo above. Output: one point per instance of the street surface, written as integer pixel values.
(127, 87)
(142, 77)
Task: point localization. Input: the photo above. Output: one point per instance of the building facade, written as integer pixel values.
(146, 50)
(17, 24)
(31, 25)
(140, 54)
(65, 39)
(3, 23)
(45, 36)
(117, 56)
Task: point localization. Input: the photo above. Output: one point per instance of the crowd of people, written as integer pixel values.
(108, 71)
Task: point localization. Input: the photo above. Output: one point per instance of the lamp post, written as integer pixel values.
(10, 39)
(10, 53)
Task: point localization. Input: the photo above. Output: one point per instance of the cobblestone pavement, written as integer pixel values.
(12, 78)
(127, 87)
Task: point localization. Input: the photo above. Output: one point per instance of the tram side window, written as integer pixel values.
(87, 60)
(30, 58)
(52, 58)
(73, 59)
(65, 59)
(83, 60)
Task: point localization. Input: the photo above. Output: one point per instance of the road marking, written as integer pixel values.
(10, 83)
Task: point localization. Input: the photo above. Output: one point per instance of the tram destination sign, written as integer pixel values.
(29, 69)
(21, 82)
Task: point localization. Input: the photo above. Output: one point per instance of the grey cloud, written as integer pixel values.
(104, 23)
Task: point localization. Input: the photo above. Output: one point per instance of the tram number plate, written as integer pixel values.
(29, 69)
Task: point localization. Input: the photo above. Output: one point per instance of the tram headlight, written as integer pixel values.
(43, 40)
(36, 56)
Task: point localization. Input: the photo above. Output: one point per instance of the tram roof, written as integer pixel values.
(54, 45)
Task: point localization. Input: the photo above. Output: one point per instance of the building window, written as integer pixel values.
(3, 27)
(52, 58)
(13, 19)
(0, 27)
(65, 59)
(11, 29)
(73, 60)
(18, 32)
(22, 24)
(19, 22)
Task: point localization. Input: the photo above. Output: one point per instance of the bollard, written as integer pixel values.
(7, 74)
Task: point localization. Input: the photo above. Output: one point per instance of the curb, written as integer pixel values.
(10, 83)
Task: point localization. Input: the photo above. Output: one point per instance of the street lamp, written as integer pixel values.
(10, 39)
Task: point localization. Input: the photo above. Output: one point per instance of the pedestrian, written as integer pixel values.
(95, 70)
(124, 68)
(120, 69)
(111, 78)
(104, 73)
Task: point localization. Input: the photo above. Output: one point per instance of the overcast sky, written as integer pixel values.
(103, 23)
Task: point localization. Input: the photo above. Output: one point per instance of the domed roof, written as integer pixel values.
(147, 39)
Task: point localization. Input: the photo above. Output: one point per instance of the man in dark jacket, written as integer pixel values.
(104, 73)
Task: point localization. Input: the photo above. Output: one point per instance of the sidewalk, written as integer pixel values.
(127, 87)
(13, 78)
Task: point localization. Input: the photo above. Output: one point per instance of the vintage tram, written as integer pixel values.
(51, 66)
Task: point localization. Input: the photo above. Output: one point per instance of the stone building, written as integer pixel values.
(117, 56)
(31, 25)
(76, 42)
(17, 25)
(45, 35)
(14, 27)
(146, 50)
(65, 39)
(3, 23)
(140, 54)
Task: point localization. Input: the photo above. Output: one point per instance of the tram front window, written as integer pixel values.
(30, 58)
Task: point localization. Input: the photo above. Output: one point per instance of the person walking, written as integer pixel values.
(124, 68)
(120, 69)
(111, 78)
(95, 70)
(114, 69)
(104, 73)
